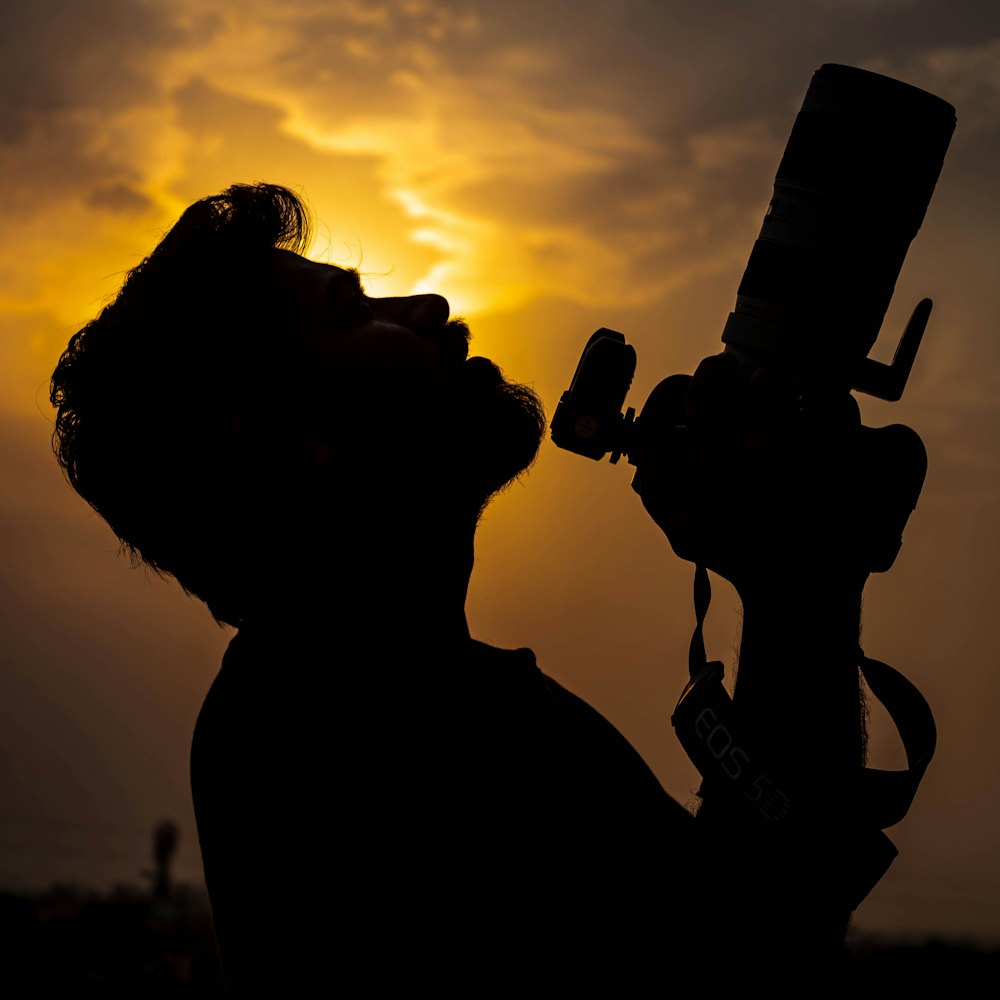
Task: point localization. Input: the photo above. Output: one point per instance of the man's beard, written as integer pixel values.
(455, 443)
(500, 423)
(500, 431)
(443, 442)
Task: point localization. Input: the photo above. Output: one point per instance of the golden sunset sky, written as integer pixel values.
(550, 167)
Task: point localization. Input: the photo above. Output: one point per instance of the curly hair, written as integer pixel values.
(148, 393)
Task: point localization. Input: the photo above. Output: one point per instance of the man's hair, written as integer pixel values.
(150, 393)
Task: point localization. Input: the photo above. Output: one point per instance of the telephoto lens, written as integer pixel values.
(850, 194)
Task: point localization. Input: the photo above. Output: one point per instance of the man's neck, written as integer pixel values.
(406, 592)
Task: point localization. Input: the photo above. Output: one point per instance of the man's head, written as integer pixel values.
(237, 402)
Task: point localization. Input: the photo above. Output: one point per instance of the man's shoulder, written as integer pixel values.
(473, 708)
(495, 786)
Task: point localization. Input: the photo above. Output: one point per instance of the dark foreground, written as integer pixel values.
(72, 943)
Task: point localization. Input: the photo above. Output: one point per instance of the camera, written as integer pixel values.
(850, 193)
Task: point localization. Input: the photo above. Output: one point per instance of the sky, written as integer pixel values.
(551, 168)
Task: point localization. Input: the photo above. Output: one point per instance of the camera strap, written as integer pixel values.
(710, 731)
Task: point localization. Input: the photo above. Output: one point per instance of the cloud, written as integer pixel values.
(968, 76)
(555, 189)
(56, 55)
(493, 157)
(120, 198)
(516, 160)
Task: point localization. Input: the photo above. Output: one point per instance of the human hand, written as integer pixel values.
(750, 481)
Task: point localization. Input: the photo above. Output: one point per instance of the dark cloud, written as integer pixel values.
(681, 65)
(69, 73)
(121, 199)
(57, 55)
(668, 210)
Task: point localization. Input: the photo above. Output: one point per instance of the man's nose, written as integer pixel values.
(419, 313)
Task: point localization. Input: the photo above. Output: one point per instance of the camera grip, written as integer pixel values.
(892, 469)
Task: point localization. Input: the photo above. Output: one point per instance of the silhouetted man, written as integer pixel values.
(381, 799)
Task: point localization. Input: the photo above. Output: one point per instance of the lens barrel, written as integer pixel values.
(851, 191)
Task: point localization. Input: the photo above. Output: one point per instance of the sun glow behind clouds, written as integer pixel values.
(415, 172)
